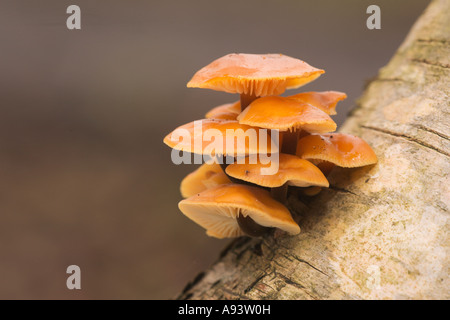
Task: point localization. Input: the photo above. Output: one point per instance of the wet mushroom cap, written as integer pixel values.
(344, 150)
(292, 170)
(217, 210)
(285, 114)
(325, 101)
(254, 74)
(228, 111)
(190, 138)
(205, 177)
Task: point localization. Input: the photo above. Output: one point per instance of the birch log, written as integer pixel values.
(378, 232)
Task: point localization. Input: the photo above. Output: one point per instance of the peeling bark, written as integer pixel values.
(378, 232)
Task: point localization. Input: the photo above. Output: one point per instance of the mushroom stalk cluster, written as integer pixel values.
(231, 200)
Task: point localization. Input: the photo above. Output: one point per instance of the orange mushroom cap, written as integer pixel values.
(205, 177)
(344, 150)
(325, 101)
(284, 114)
(187, 137)
(217, 210)
(228, 111)
(255, 74)
(292, 170)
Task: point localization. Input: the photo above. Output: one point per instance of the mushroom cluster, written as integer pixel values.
(237, 198)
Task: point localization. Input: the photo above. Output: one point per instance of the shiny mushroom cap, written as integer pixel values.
(284, 114)
(217, 210)
(254, 74)
(235, 139)
(344, 150)
(228, 111)
(325, 101)
(292, 170)
(205, 177)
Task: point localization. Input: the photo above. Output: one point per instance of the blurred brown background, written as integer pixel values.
(84, 176)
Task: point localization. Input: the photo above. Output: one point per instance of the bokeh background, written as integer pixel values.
(84, 176)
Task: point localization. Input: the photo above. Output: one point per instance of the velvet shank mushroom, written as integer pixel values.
(325, 101)
(217, 197)
(292, 170)
(190, 138)
(343, 150)
(233, 210)
(289, 115)
(254, 75)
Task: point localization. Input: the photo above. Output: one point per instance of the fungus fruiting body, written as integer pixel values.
(325, 101)
(343, 150)
(286, 114)
(254, 74)
(220, 137)
(292, 170)
(294, 132)
(217, 210)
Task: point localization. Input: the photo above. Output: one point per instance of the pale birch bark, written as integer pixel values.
(378, 232)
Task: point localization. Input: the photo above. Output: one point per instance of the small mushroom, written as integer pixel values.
(228, 111)
(343, 150)
(205, 177)
(232, 210)
(325, 101)
(292, 170)
(254, 75)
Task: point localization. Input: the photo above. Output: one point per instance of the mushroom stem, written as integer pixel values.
(246, 99)
(325, 167)
(280, 193)
(250, 227)
(232, 179)
(290, 139)
(224, 166)
(289, 146)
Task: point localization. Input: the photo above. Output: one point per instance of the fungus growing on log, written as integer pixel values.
(230, 200)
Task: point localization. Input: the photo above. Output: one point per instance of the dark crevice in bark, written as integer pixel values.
(440, 134)
(433, 41)
(341, 190)
(289, 281)
(415, 140)
(431, 63)
(309, 264)
(254, 283)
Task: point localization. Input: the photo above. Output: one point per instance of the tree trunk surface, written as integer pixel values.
(378, 232)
